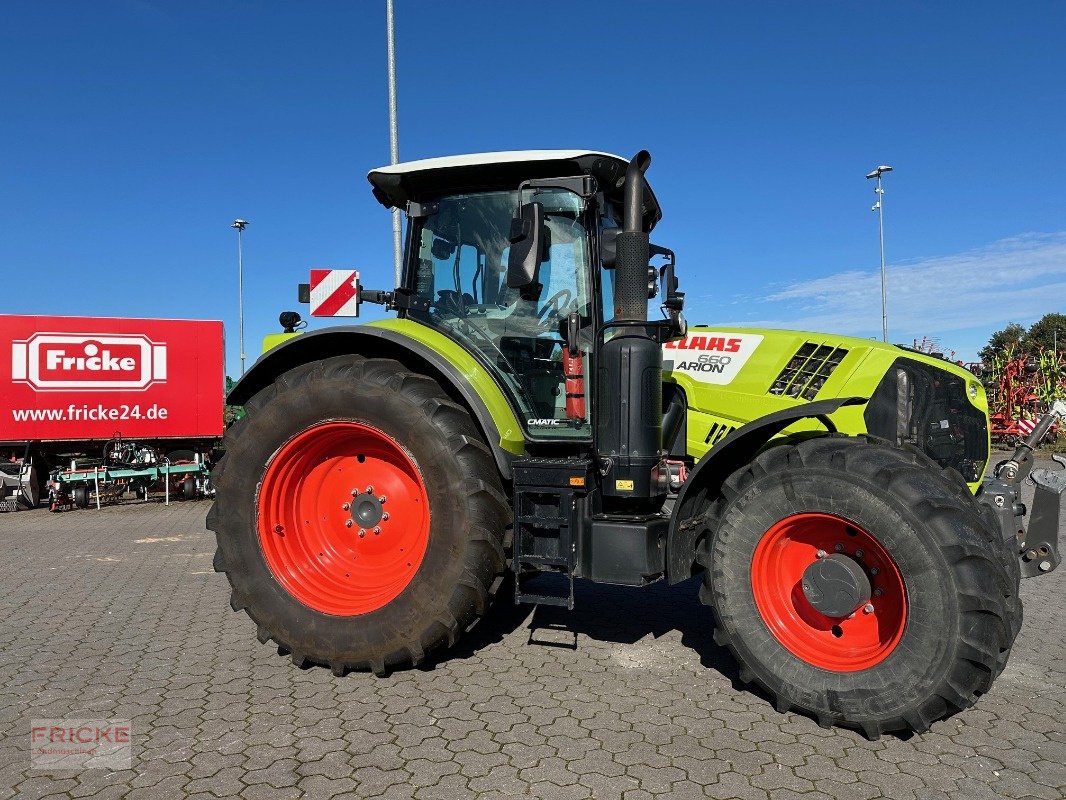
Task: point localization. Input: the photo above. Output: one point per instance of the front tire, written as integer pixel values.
(359, 515)
(936, 623)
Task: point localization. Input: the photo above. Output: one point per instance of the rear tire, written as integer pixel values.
(81, 496)
(939, 639)
(358, 421)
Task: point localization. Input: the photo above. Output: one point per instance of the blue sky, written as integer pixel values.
(132, 132)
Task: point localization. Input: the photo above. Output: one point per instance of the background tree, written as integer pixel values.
(230, 414)
(1010, 338)
(1041, 336)
(1015, 340)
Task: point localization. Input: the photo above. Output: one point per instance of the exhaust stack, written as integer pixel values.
(629, 422)
(631, 261)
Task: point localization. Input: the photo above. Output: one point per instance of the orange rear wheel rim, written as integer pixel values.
(343, 517)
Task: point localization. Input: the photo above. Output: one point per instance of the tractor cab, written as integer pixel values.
(506, 256)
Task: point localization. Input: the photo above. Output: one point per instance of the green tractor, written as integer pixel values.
(522, 417)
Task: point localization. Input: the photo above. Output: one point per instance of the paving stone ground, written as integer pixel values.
(117, 613)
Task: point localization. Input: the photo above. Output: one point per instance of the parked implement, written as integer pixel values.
(129, 467)
(518, 414)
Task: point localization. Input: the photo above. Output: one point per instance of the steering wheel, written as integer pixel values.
(553, 308)
(452, 303)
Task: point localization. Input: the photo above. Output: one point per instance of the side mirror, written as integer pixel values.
(527, 246)
(673, 300)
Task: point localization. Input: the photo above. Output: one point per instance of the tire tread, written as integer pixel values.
(991, 608)
(483, 559)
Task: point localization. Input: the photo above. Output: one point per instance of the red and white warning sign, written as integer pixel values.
(334, 293)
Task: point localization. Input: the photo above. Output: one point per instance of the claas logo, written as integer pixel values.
(88, 362)
(707, 355)
(719, 344)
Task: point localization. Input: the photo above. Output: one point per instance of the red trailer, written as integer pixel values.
(70, 385)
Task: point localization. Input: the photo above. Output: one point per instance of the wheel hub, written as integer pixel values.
(366, 510)
(836, 585)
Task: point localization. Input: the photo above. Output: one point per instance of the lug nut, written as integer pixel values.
(874, 570)
(362, 533)
(369, 489)
(347, 506)
(377, 529)
(279, 529)
(839, 548)
(382, 499)
(348, 523)
(868, 608)
(820, 554)
(384, 516)
(878, 592)
(355, 492)
(859, 554)
(1045, 566)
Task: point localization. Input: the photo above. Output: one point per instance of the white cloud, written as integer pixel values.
(1015, 279)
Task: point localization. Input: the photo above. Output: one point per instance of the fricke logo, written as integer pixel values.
(88, 362)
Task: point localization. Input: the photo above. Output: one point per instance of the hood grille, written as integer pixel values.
(807, 370)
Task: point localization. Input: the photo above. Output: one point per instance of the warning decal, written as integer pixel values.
(334, 293)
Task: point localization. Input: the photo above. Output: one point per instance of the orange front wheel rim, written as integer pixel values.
(845, 641)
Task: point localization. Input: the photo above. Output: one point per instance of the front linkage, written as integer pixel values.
(1038, 545)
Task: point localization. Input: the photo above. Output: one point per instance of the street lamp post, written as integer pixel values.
(394, 135)
(879, 208)
(240, 225)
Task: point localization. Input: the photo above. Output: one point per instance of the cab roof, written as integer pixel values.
(396, 185)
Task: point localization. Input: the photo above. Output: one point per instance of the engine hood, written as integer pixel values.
(733, 375)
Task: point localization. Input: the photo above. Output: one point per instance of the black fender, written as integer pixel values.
(374, 343)
(725, 458)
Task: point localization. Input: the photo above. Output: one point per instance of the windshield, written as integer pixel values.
(461, 269)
